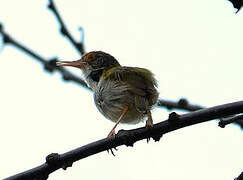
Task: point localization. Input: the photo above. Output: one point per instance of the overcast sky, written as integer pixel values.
(193, 47)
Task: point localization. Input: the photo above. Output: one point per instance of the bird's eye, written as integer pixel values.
(100, 60)
(98, 63)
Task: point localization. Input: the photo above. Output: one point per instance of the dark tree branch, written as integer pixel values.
(240, 177)
(63, 29)
(49, 65)
(55, 161)
(9, 40)
(235, 119)
(182, 104)
(237, 4)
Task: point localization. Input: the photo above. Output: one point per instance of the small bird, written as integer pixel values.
(122, 94)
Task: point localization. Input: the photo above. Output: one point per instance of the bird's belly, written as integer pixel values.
(111, 102)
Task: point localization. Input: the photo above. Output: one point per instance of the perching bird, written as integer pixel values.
(122, 94)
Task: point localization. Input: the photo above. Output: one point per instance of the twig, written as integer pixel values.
(236, 119)
(7, 39)
(182, 104)
(49, 65)
(63, 29)
(55, 161)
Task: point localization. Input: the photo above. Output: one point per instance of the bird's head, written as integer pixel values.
(92, 64)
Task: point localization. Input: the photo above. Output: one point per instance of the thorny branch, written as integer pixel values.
(56, 161)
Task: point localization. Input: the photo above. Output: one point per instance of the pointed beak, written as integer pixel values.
(78, 64)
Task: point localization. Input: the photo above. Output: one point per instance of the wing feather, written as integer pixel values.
(141, 82)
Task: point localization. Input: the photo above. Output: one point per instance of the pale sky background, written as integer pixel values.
(193, 47)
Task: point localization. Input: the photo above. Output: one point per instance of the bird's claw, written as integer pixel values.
(112, 133)
(110, 150)
(149, 124)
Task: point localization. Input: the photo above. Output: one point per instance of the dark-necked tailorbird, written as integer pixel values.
(122, 94)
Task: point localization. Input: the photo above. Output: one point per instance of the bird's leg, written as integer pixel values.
(124, 111)
(149, 121)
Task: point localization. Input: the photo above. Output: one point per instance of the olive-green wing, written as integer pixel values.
(142, 82)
